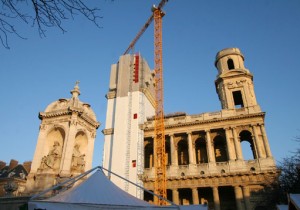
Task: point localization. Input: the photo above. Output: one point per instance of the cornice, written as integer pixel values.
(111, 94)
(57, 113)
(69, 111)
(108, 131)
(90, 121)
(274, 173)
(231, 75)
(198, 122)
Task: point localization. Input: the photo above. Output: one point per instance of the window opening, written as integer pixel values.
(168, 150)
(185, 196)
(201, 153)
(148, 197)
(169, 195)
(247, 145)
(149, 158)
(183, 156)
(230, 64)
(238, 99)
(133, 163)
(227, 197)
(220, 149)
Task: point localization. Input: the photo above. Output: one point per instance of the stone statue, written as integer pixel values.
(78, 162)
(54, 155)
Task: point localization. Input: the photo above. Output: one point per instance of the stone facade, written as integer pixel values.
(65, 143)
(205, 156)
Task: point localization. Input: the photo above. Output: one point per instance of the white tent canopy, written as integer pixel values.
(97, 192)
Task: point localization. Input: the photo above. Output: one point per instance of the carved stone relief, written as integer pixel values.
(43, 127)
(78, 162)
(52, 160)
(235, 84)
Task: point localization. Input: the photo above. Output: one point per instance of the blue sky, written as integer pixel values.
(36, 72)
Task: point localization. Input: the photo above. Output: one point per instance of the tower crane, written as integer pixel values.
(160, 185)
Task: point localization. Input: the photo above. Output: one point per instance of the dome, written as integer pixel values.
(71, 103)
(63, 103)
(228, 51)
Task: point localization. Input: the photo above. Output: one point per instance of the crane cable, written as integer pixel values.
(143, 29)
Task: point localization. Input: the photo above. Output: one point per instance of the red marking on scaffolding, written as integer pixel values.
(136, 68)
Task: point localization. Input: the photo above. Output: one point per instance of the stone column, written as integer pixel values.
(216, 198)
(191, 152)
(238, 197)
(66, 159)
(195, 196)
(90, 150)
(154, 156)
(265, 140)
(211, 157)
(173, 162)
(36, 162)
(229, 145)
(175, 196)
(174, 159)
(194, 153)
(237, 145)
(256, 142)
(41, 144)
(246, 193)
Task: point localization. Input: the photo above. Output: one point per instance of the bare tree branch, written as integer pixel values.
(290, 172)
(44, 14)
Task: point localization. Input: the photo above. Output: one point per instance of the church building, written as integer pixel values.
(205, 152)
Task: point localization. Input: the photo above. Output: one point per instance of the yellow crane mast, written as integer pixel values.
(160, 186)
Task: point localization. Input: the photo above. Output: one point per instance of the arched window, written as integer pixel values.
(220, 149)
(168, 150)
(200, 149)
(148, 154)
(247, 144)
(183, 155)
(230, 64)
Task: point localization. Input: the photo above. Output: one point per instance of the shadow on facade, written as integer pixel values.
(264, 199)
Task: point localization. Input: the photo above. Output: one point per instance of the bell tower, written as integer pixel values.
(65, 143)
(234, 83)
